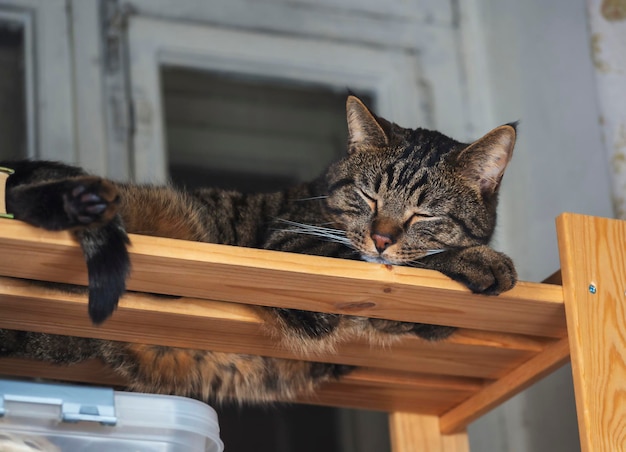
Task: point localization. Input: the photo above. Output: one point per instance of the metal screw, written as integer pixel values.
(592, 289)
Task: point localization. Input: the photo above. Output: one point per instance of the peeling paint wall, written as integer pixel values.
(613, 10)
(607, 23)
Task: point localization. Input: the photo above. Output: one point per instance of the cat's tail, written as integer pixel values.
(108, 267)
(56, 197)
(96, 225)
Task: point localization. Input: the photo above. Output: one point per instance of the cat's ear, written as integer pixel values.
(485, 160)
(364, 129)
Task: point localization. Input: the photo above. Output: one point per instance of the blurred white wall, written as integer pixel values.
(539, 71)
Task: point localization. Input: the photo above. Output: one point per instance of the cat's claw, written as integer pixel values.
(78, 190)
(96, 209)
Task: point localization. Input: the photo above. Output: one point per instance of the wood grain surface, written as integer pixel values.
(504, 342)
(271, 278)
(593, 262)
(412, 432)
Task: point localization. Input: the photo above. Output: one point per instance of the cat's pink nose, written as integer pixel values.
(382, 241)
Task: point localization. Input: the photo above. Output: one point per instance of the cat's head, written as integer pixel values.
(401, 193)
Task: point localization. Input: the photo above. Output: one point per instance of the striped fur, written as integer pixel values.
(400, 196)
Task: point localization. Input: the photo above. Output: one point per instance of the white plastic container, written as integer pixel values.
(69, 418)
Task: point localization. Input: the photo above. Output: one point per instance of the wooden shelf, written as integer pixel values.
(220, 286)
(270, 278)
(432, 390)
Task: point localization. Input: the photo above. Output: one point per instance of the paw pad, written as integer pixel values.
(91, 201)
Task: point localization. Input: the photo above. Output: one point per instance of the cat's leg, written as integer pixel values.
(423, 330)
(88, 206)
(482, 269)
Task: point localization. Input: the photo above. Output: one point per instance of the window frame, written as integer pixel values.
(154, 43)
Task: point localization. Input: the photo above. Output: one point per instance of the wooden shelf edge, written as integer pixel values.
(365, 388)
(234, 328)
(314, 283)
(544, 363)
(249, 276)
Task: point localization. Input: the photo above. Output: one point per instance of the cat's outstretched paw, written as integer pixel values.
(432, 332)
(423, 330)
(484, 270)
(90, 201)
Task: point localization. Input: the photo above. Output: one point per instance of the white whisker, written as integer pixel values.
(304, 225)
(331, 234)
(331, 237)
(431, 252)
(312, 198)
(416, 263)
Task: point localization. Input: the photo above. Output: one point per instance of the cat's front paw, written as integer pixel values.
(90, 201)
(484, 270)
(423, 330)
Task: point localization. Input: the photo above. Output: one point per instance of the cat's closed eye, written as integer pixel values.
(418, 216)
(369, 198)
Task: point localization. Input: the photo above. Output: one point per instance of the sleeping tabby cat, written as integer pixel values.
(400, 197)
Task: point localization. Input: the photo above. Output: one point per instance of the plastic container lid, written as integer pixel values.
(53, 417)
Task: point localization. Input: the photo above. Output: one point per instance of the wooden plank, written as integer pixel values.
(460, 355)
(412, 432)
(593, 261)
(306, 282)
(373, 389)
(554, 278)
(365, 388)
(90, 372)
(231, 327)
(542, 364)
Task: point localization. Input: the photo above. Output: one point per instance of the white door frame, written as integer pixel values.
(391, 76)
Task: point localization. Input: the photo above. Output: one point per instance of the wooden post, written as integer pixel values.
(593, 263)
(412, 432)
